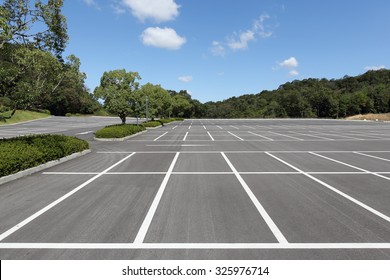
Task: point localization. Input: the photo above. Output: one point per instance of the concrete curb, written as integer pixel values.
(118, 139)
(171, 123)
(41, 167)
(151, 128)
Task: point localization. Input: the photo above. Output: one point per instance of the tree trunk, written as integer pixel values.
(123, 118)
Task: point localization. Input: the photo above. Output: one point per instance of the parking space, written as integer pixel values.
(306, 212)
(201, 185)
(98, 213)
(207, 209)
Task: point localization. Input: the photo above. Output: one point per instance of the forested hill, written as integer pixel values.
(311, 98)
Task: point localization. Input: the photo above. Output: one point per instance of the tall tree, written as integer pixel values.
(117, 89)
(40, 24)
(160, 101)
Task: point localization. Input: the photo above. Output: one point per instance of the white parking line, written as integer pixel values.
(311, 135)
(185, 137)
(273, 227)
(83, 133)
(236, 136)
(204, 127)
(371, 156)
(189, 246)
(218, 173)
(292, 137)
(210, 136)
(361, 204)
(160, 136)
(174, 127)
(219, 127)
(234, 127)
(238, 152)
(152, 210)
(270, 139)
(51, 205)
(352, 166)
(348, 137)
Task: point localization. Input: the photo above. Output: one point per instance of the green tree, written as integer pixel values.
(180, 105)
(41, 25)
(29, 76)
(118, 90)
(159, 100)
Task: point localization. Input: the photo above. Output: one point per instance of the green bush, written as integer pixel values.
(118, 131)
(152, 124)
(21, 153)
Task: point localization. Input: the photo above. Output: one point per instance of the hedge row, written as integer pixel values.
(21, 153)
(151, 124)
(124, 130)
(118, 131)
(164, 121)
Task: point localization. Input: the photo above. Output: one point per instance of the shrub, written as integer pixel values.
(21, 153)
(118, 131)
(152, 124)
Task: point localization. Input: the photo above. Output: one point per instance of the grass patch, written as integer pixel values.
(119, 131)
(103, 113)
(21, 153)
(371, 117)
(22, 116)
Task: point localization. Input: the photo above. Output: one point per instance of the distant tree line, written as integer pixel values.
(310, 98)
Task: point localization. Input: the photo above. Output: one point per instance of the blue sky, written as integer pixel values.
(217, 49)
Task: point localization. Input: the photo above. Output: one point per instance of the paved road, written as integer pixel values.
(75, 126)
(211, 189)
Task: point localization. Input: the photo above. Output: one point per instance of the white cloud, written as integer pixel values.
(92, 3)
(185, 79)
(260, 29)
(165, 38)
(293, 73)
(157, 10)
(217, 49)
(118, 9)
(240, 40)
(374, 68)
(289, 63)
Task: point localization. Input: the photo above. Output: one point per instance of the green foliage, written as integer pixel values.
(118, 131)
(159, 100)
(36, 80)
(18, 25)
(117, 89)
(21, 153)
(151, 124)
(164, 121)
(309, 98)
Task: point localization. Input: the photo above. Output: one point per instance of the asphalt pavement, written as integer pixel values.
(208, 189)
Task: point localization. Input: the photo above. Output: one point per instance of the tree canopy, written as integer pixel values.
(118, 91)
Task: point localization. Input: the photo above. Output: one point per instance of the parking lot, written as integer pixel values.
(211, 189)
